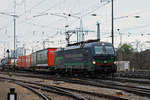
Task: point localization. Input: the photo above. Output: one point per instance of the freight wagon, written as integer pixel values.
(42, 59)
(24, 62)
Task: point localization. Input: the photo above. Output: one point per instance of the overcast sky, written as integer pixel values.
(31, 31)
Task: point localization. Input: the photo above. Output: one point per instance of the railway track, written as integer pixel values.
(66, 91)
(42, 95)
(53, 77)
(129, 80)
(141, 91)
(138, 74)
(55, 90)
(118, 79)
(35, 87)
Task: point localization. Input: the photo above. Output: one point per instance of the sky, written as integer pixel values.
(45, 20)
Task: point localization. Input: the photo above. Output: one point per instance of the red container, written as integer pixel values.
(51, 57)
(28, 61)
(21, 61)
(24, 61)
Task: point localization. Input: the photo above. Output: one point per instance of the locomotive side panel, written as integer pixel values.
(77, 58)
(74, 60)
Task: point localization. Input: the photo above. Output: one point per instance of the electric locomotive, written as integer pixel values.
(89, 57)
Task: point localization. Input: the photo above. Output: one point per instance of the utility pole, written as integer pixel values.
(69, 33)
(14, 19)
(112, 11)
(14, 40)
(120, 37)
(98, 30)
(14, 16)
(112, 18)
(8, 57)
(81, 34)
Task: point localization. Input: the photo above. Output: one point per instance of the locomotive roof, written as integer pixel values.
(85, 44)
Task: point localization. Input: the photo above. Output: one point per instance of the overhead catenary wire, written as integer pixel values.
(6, 25)
(93, 10)
(43, 26)
(57, 22)
(137, 27)
(75, 20)
(36, 5)
(55, 5)
(88, 13)
(43, 11)
(30, 9)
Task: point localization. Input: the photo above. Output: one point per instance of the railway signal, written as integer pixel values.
(12, 95)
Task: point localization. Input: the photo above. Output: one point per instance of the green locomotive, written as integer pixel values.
(89, 57)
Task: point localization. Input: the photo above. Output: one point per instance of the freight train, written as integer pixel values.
(88, 57)
(6, 63)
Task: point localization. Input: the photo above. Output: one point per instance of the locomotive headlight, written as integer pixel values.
(94, 62)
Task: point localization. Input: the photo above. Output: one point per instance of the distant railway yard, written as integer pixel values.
(43, 86)
(86, 70)
(75, 50)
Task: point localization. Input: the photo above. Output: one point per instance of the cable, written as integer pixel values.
(89, 12)
(137, 27)
(20, 3)
(42, 12)
(5, 26)
(51, 7)
(78, 13)
(36, 5)
(97, 8)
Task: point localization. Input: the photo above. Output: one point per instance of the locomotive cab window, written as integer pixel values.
(99, 50)
(103, 50)
(110, 50)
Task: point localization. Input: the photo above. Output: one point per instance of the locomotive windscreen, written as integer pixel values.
(104, 50)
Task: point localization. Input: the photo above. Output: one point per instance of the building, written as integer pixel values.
(123, 65)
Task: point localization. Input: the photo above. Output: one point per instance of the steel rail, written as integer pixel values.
(62, 90)
(136, 90)
(46, 88)
(45, 97)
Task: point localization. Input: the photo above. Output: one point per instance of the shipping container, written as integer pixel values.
(45, 58)
(33, 59)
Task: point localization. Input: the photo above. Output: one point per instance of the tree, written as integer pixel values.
(125, 52)
(138, 60)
